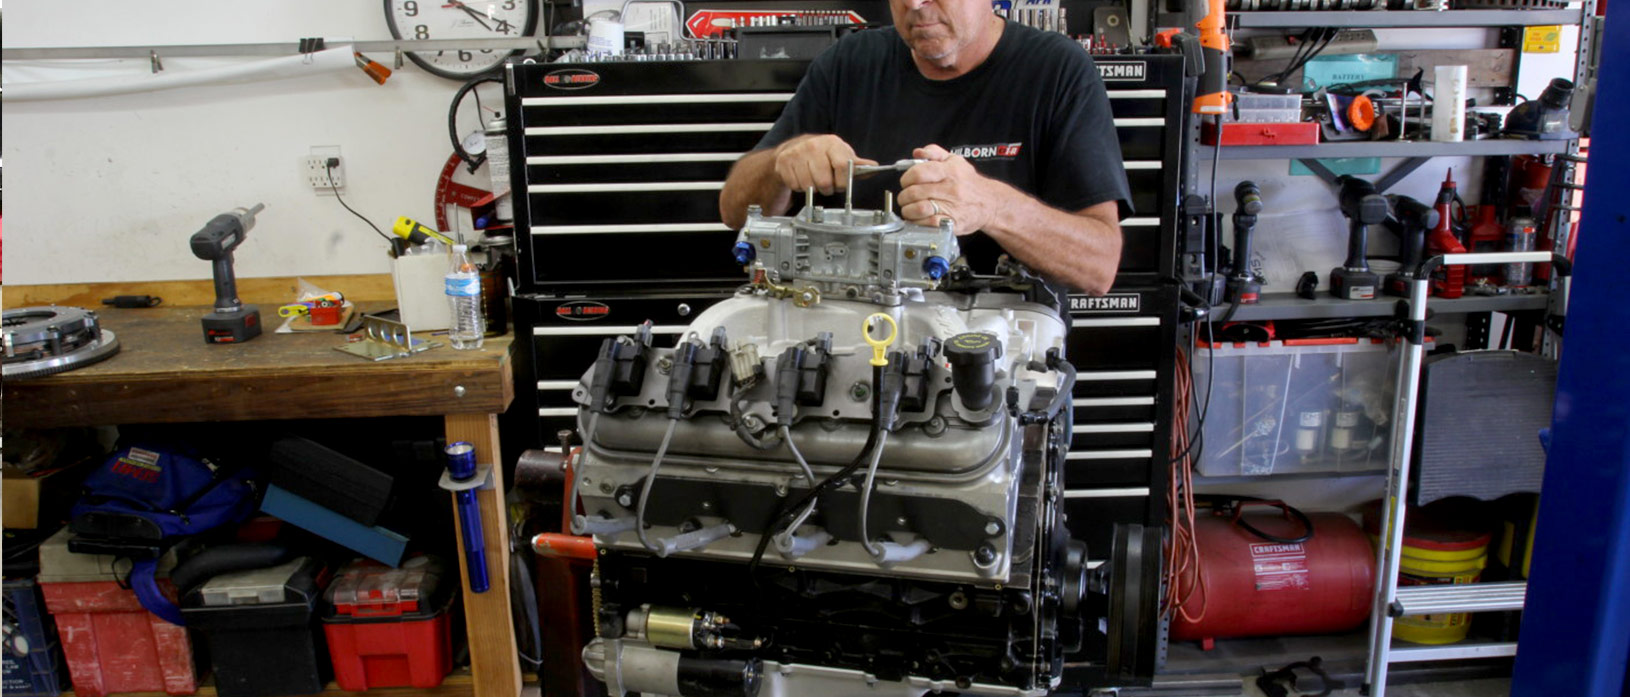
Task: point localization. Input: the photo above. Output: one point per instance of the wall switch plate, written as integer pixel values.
(314, 168)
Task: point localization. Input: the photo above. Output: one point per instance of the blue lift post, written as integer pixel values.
(1575, 637)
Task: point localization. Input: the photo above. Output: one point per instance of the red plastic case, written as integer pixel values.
(1300, 133)
(389, 627)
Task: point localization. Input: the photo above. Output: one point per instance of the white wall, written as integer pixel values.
(109, 189)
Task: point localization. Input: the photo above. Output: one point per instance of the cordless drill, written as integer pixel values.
(232, 322)
(1245, 287)
(1410, 219)
(1363, 206)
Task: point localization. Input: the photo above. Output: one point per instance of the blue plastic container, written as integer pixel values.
(30, 655)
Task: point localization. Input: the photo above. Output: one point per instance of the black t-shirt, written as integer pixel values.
(1034, 115)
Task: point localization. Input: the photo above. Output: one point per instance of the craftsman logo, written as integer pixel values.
(1122, 71)
(1279, 567)
(1114, 303)
(582, 310)
(572, 79)
(147, 472)
(998, 151)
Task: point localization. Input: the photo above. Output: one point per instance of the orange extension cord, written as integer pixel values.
(1183, 577)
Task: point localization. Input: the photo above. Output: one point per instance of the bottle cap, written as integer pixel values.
(460, 248)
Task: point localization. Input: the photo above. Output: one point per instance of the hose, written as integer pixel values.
(866, 497)
(786, 435)
(831, 482)
(645, 491)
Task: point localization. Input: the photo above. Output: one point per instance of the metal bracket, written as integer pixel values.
(481, 480)
(1386, 181)
(386, 339)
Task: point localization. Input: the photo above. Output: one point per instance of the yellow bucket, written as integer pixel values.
(1421, 566)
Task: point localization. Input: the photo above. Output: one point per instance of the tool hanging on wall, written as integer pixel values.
(232, 322)
(1363, 206)
(1212, 96)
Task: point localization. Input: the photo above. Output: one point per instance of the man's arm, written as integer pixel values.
(768, 177)
(1081, 249)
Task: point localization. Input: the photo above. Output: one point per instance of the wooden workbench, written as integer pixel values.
(165, 373)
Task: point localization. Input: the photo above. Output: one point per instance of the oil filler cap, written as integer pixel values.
(972, 356)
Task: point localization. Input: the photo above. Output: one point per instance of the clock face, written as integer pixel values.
(456, 19)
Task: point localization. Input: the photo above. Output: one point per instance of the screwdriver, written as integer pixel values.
(415, 232)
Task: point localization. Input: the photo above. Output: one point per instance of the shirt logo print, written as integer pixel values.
(996, 151)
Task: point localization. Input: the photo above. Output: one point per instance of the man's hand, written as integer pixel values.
(821, 161)
(947, 186)
(1078, 248)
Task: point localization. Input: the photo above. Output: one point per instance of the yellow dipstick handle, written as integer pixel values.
(879, 346)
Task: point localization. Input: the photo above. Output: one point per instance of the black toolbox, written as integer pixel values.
(261, 628)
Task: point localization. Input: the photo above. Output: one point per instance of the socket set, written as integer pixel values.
(1045, 19)
(687, 50)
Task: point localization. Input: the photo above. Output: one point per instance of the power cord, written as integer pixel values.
(328, 171)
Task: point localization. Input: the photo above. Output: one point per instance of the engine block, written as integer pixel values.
(849, 471)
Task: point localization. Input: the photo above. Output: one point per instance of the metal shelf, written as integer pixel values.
(1470, 148)
(1403, 652)
(1406, 18)
(1289, 306)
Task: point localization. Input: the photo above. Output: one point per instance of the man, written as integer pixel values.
(1014, 122)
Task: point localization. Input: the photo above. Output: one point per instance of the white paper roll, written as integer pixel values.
(605, 36)
(1449, 104)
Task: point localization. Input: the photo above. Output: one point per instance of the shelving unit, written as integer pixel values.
(1397, 19)
(1290, 306)
(1385, 654)
(1410, 149)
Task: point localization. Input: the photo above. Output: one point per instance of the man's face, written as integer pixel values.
(936, 30)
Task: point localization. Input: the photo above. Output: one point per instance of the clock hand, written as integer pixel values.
(472, 13)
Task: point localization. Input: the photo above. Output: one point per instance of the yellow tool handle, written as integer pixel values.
(292, 310)
(879, 346)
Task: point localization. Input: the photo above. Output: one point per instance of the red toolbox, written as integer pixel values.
(1299, 133)
(389, 627)
(111, 642)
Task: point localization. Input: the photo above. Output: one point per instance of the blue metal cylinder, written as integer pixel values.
(461, 467)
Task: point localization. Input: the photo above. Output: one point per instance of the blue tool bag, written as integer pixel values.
(147, 497)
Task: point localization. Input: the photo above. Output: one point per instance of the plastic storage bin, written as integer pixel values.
(1276, 407)
(389, 627)
(31, 659)
(260, 628)
(1264, 108)
(111, 642)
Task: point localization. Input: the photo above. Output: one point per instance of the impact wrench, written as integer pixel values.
(1363, 206)
(1245, 287)
(232, 322)
(1410, 219)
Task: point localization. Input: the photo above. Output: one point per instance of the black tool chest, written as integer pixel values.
(621, 182)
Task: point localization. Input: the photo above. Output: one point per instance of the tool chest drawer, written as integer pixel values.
(621, 165)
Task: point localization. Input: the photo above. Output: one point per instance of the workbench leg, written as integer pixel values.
(493, 661)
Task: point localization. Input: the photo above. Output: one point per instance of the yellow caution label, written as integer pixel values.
(1542, 39)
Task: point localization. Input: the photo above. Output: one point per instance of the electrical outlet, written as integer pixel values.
(318, 175)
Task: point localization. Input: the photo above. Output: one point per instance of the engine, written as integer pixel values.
(844, 479)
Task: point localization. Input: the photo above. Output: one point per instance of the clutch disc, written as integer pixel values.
(45, 340)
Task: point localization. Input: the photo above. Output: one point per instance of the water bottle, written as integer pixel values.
(464, 297)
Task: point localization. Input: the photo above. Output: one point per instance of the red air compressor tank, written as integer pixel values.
(1260, 587)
